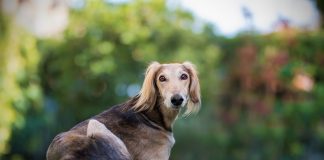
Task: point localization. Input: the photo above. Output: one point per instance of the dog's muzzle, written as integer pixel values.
(176, 100)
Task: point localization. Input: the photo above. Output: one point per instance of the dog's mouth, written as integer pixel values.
(176, 107)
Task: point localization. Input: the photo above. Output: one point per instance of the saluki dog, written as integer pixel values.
(140, 128)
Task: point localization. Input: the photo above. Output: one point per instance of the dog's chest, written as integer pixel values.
(155, 145)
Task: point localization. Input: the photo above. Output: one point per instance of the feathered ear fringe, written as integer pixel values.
(194, 102)
(148, 94)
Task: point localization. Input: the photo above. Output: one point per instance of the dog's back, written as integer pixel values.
(98, 144)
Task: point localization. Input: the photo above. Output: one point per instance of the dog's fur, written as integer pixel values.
(140, 128)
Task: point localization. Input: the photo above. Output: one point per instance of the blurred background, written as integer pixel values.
(261, 66)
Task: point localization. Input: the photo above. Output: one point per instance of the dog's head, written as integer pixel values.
(174, 85)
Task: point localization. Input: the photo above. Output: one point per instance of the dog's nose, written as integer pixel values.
(176, 100)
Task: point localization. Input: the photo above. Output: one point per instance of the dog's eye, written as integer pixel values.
(183, 77)
(162, 78)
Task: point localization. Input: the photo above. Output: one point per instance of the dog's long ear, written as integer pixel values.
(148, 95)
(194, 102)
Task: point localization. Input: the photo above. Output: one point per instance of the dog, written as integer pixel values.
(140, 128)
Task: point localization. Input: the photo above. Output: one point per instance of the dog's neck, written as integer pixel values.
(162, 116)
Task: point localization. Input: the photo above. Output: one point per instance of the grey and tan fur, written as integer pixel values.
(140, 128)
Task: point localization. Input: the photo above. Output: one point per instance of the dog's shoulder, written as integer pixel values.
(106, 117)
(120, 115)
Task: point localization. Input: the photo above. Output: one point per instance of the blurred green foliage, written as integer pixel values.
(20, 90)
(262, 95)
